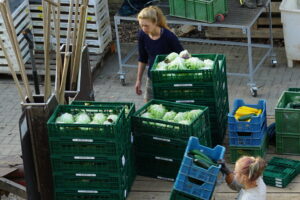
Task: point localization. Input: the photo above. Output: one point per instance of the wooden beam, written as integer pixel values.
(265, 21)
(12, 187)
(212, 32)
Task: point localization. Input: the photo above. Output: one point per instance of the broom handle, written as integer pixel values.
(13, 73)
(7, 18)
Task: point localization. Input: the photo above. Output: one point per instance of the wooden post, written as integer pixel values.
(62, 88)
(56, 19)
(79, 44)
(38, 115)
(47, 23)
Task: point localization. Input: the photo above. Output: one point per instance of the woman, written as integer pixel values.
(246, 178)
(155, 38)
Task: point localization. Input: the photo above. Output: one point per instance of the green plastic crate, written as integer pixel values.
(132, 168)
(294, 89)
(287, 119)
(79, 163)
(91, 180)
(215, 106)
(184, 92)
(285, 162)
(73, 146)
(218, 131)
(112, 132)
(287, 143)
(157, 166)
(237, 151)
(278, 176)
(186, 76)
(128, 106)
(79, 194)
(160, 146)
(176, 195)
(169, 129)
(200, 10)
(165, 147)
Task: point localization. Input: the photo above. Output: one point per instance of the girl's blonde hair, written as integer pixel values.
(154, 14)
(251, 167)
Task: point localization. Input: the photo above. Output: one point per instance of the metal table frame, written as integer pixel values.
(234, 23)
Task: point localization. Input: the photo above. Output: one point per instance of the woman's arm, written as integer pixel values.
(143, 60)
(231, 182)
(138, 84)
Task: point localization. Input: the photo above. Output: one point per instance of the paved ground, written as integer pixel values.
(271, 83)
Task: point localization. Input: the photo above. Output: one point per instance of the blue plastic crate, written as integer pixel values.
(205, 178)
(190, 169)
(194, 188)
(256, 122)
(254, 138)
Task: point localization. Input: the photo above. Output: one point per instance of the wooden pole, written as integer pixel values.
(66, 66)
(8, 21)
(74, 34)
(69, 27)
(52, 3)
(61, 99)
(56, 19)
(47, 21)
(13, 73)
(79, 44)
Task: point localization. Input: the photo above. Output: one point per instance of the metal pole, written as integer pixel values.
(117, 22)
(270, 27)
(250, 59)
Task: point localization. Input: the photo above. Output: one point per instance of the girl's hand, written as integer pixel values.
(224, 169)
(138, 90)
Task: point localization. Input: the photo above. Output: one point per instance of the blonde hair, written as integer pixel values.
(251, 167)
(155, 15)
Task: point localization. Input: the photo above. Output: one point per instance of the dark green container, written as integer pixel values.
(132, 168)
(157, 166)
(91, 180)
(287, 119)
(199, 10)
(86, 164)
(287, 143)
(186, 76)
(112, 132)
(237, 151)
(176, 195)
(278, 176)
(129, 109)
(79, 194)
(171, 130)
(73, 146)
(285, 162)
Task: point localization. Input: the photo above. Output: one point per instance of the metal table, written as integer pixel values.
(238, 17)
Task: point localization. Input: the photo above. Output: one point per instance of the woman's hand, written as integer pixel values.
(224, 169)
(138, 90)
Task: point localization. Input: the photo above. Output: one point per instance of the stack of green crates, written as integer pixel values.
(200, 10)
(91, 161)
(160, 145)
(287, 124)
(199, 87)
(281, 171)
